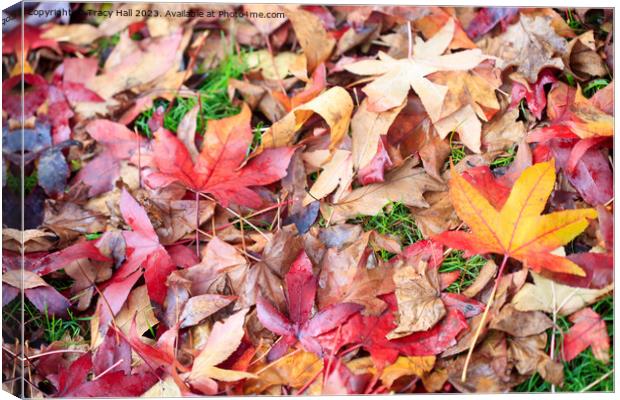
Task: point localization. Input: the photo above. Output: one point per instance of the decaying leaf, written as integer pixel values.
(538, 296)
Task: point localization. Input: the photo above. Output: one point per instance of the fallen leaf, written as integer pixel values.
(336, 173)
(589, 330)
(394, 77)
(538, 296)
(301, 290)
(212, 172)
(334, 106)
(530, 45)
(313, 38)
(520, 323)
(517, 230)
(406, 184)
(419, 303)
(223, 340)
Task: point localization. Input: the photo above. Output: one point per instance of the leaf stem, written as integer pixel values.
(484, 317)
(197, 224)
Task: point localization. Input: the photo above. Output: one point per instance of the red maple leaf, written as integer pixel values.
(369, 332)
(144, 249)
(73, 382)
(218, 168)
(119, 143)
(589, 330)
(301, 290)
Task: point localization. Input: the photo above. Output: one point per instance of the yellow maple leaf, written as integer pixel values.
(518, 230)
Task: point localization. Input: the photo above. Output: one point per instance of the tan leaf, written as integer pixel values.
(530, 45)
(200, 307)
(139, 306)
(31, 280)
(582, 59)
(538, 296)
(394, 77)
(334, 106)
(503, 131)
(437, 218)
(418, 295)
(186, 132)
(344, 278)
(278, 66)
(137, 65)
(164, 388)
(487, 272)
(405, 184)
(223, 340)
(312, 36)
(80, 34)
(366, 130)
(337, 173)
(520, 323)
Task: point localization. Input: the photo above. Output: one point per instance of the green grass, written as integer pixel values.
(468, 267)
(395, 220)
(574, 23)
(584, 369)
(594, 86)
(457, 150)
(49, 327)
(214, 100)
(505, 159)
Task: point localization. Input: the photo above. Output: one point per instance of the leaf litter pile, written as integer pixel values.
(332, 200)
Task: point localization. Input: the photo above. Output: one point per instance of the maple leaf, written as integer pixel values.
(517, 230)
(218, 169)
(589, 330)
(312, 90)
(530, 45)
(223, 340)
(73, 382)
(345, 277)
(419, 302)
(119, 143)
(406, 184)
(395, 77)
(370, 332)
(301, 291)
(144, 249)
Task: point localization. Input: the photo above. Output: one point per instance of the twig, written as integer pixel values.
(596, 382)
(484, 317)
(110, 368)
(555, 315)
(233, 212)
(207, 234)
(197, 198)
(266, 367)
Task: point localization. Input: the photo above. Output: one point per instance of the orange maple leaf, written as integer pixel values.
(518, 229)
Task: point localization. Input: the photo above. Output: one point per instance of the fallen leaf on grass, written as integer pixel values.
(517, 230)
(216, 170)
(406, 184)
(589, 330)
(538, 296)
